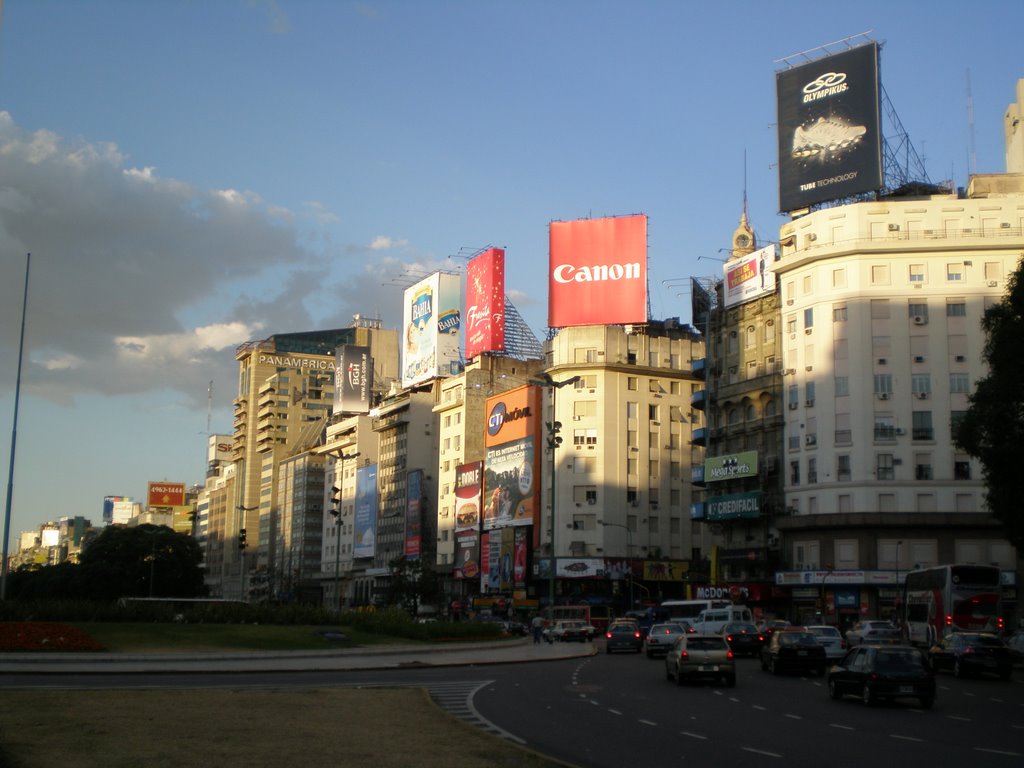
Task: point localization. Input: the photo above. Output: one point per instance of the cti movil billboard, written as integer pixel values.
(431, 327)
(511, 493)
(597, 271)
(830, 130)
(485, 303)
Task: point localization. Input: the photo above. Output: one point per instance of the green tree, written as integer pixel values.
(992, 430)
(413, 583)
(143, 561)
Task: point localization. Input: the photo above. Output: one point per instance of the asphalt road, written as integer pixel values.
(613, 711)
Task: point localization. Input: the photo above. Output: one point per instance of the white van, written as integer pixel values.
(713, 620)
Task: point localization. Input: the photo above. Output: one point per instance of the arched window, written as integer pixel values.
(734, 416)
(751, 412)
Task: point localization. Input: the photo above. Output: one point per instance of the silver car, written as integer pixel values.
(705, 657)
(872, 631)
(831, 638)
(660, 637)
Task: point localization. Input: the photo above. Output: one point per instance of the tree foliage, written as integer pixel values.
(992, 429)
(413, 583)
(141, 561)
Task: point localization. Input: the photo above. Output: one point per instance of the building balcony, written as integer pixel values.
(700, 436)
(698, 511)
(699, 399)
(700, 368)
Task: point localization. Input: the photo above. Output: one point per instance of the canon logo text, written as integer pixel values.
(567, 273)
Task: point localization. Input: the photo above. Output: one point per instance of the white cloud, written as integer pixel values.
(141, 283)
(384, 243)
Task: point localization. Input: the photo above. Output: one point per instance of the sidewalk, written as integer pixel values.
(372, 657)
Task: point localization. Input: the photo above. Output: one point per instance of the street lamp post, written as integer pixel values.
(554, 440)
(336, 511)
(629, 550)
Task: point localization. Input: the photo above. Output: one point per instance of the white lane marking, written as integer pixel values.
(904, 738)
(997, 751)
(958, 717)
(794, 717)
(471, 705)
(648, 722)
(758, 706)
(694, 735)
(615, 711)
(760, 752)
(968, 693)
(842, 727)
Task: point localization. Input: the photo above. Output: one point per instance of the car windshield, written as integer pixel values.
(825, 631)
(741, 628)
(987, 640)
(666, 629)
(706, 644)
(624, 629)
(894, 662)
(797, 638)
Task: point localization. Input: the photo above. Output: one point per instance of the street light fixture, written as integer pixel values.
(629, 550)
(337, 499)
(554, 440)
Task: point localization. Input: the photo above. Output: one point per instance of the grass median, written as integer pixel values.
(269, 728)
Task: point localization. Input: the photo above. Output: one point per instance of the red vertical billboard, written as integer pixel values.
(485, 303)
(597, 271)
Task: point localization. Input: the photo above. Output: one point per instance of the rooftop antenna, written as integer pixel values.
(972, 167)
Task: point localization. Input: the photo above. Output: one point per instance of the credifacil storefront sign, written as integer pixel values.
(735, 506)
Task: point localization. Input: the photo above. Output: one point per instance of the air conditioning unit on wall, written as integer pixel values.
(920, 320)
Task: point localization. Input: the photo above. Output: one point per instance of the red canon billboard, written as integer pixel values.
(598, 271)
(485, 303)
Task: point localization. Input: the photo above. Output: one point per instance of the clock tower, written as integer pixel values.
(743, 241)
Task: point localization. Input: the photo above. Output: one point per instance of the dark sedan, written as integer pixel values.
(623, 637)
(972, 653)
(877, 673)
(794, 651)
(743, 639)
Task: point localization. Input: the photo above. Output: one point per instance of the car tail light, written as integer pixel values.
(728, 638)
(729, 655)
(637, 634)
(760, 638)
(684, 655)
(949, 621)
(608, 635)
(999, 623)
(969, 651)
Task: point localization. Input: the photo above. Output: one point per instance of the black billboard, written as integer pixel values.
(353, 378)
(830, 131)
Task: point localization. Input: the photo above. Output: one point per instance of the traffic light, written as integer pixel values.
(335, 502)
(241, 538)
(554, 439)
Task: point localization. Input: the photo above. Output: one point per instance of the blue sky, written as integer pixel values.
(192, 175)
